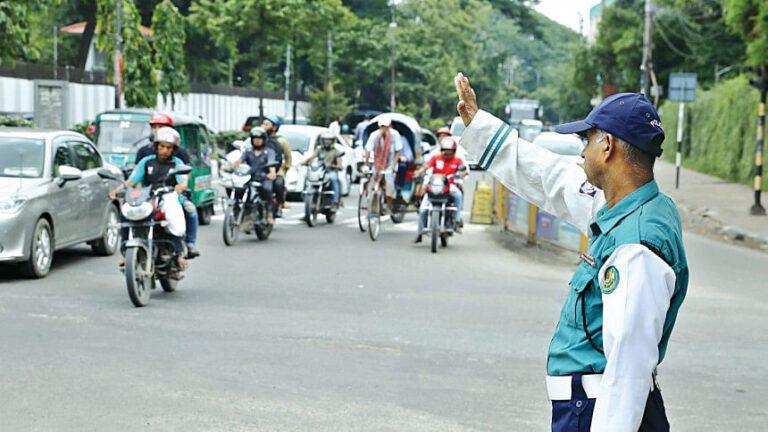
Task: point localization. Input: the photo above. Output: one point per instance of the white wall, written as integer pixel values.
(220, 112)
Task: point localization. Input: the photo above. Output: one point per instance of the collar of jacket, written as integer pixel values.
(609, 217)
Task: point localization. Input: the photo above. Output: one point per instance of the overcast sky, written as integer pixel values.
(566, 12)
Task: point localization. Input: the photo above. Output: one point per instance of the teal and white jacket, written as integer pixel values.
(620, 310)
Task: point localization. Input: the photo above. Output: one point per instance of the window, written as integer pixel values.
(21, 157)
(122, 136)
(61, 156)
(191, 137)
(86, 156)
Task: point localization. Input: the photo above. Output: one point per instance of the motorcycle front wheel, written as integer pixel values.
(230, 228)
(263, 231)
(168, 284)
(435, 228)
(309, 215)
(139, 284)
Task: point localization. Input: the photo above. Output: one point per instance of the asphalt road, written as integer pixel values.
(320, 329)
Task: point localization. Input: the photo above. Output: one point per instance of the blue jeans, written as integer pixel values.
(457, 200)
(333, 177)
(191, 219)
(575, 415)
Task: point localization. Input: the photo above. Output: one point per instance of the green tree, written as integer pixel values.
(169, 38)
(139, 77)
(15, 30)
(749, 18)
(224, 22)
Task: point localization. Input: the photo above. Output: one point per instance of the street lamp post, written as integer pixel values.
(118, 53)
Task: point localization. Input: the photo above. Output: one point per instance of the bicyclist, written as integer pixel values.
(385, 146)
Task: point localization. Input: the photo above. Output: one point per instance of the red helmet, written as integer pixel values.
(448, 143)
(161, 119)
(443, 130)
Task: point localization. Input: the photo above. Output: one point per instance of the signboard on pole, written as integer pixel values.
(682, 87)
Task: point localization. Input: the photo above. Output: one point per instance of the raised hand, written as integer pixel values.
(467, 106)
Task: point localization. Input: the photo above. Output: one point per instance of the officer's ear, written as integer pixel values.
(608, 146)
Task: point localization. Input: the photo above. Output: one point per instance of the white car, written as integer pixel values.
(569, 145)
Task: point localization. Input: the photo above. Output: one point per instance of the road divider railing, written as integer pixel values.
(516, 214)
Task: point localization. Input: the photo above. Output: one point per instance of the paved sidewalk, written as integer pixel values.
(711, 206)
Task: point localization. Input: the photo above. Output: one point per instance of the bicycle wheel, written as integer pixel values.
(374, 216)
(362, 208)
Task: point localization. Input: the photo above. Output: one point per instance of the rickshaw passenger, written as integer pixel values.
(157, 121)
(446, 164)
(406, 157)
(385, 146)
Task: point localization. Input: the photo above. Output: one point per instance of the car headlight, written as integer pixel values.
(138, 212)
(12, 204)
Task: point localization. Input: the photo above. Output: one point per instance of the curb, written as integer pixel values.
(704, 221)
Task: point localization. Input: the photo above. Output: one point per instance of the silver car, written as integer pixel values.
(51, 197)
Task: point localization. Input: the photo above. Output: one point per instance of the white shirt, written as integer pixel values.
(635, 311)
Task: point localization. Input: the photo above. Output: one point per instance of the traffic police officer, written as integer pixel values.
(624, 297)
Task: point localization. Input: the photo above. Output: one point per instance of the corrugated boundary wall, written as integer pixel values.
(80, 102)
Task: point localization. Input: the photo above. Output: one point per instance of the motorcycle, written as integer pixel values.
(318, 195)
(245, 210)
(150, 254)
(440, 208)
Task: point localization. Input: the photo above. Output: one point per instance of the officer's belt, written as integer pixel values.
(559, 387)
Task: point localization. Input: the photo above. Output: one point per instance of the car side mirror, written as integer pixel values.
(68, 173)
(106, 174)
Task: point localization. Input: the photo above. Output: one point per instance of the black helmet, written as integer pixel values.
(258, 132)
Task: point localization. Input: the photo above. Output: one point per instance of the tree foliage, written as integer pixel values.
(169, 39)
(139, 77)
(14, 31)
(749, 19)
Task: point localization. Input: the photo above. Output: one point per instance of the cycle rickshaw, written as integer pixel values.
(370, 205)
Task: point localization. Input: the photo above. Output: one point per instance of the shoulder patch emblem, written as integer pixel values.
(586, 188)
(611, 280)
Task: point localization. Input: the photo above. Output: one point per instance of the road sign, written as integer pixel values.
(682, 87)
(482, 205)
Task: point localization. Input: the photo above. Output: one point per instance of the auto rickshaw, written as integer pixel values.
(406, 200)
(119, 134)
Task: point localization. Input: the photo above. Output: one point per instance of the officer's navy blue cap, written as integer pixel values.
(630, 116)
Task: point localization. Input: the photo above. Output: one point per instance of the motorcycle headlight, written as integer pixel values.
(138, 212)
(12, 204)
(240, 181)
(227, 183)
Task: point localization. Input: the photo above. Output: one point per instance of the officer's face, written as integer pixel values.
(258, 142)
(592, 158)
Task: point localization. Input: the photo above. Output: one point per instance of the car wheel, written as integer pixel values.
(205, 213)
(109, 241)
(40, 251)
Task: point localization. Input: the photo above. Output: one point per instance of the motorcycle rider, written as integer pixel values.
(157, 121)
(152, 171)
(282, 150)
(446, 164)
(331, 158)
(385, 146)
(261, 159)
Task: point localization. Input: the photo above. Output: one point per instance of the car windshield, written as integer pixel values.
(122, 136)
(299, 141)
(22, 157)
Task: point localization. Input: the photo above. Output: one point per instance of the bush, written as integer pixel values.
(12, 121)
(720, 136)
(82, 127)
(224, 139)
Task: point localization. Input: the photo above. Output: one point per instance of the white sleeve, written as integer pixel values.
(550, 181)
(370, 145)
(636, 288)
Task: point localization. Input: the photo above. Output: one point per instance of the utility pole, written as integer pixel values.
(118, 55)
(55, 52)
(328, 76)
(761, 82)
(392, 26)
(645, 66)
(287, 80)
